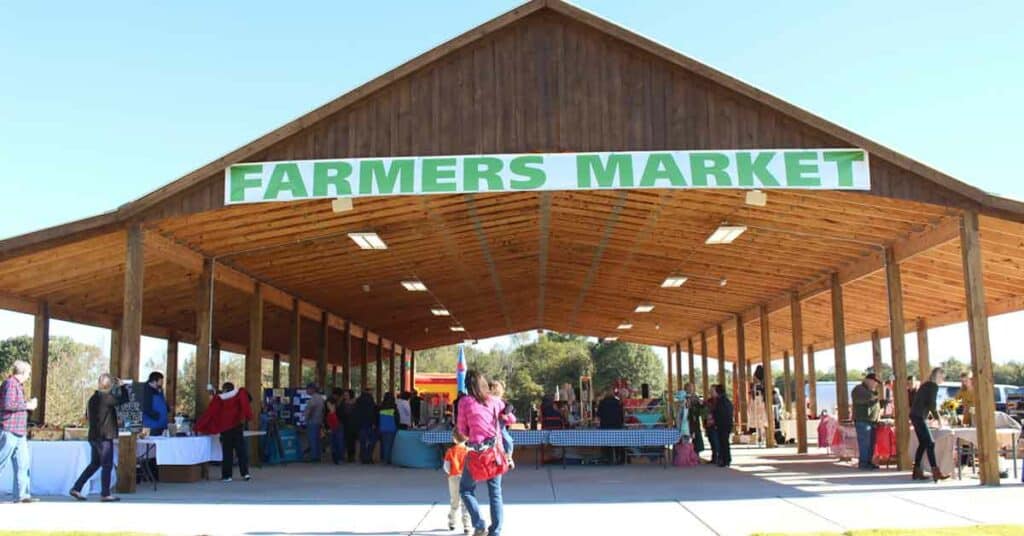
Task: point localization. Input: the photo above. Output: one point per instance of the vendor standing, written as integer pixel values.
(154, 404)
(612, 416)
(102, 413)
(866, 410)
(966, 398)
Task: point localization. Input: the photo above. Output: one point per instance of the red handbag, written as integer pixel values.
(490, 462)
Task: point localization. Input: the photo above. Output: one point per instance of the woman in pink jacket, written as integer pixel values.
(478, 420)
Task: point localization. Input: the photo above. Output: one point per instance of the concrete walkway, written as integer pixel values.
(766, 490)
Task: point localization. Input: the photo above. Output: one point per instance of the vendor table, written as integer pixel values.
(636, 438)
(524, 438)
(411, 450)
(55, 466)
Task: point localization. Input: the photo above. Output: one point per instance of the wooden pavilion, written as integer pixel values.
(814, 270)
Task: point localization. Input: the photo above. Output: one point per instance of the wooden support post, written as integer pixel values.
(741, 377)
(412, 370)
(334, 377)
(254, 364)
(40, 360)
(766, 364)
(720, 337)
(670, 398)
(391, 367)
(131, 317)
(321, 358)
(899, 359)
(126, 463)
(679, 366)
(364, 378)
(115, 350)
(812, 381)
(735, 392)
(204, 334)
(690, 364)
(276, 374)
(380, 370)
(403, 378)
(171, 379)
(295, 347)
(787, 382)
(704, 374)
(876, 353)
(346, 358)
(839, 347)
(981, 350)
(924, 366)
(796, 314)
(215, 378)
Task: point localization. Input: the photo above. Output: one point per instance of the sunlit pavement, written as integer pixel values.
(765, 490)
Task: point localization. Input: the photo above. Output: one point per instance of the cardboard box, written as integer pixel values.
(181, 473)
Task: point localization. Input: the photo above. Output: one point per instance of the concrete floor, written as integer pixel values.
(766, 490)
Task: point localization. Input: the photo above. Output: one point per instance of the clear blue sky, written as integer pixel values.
(101, 103)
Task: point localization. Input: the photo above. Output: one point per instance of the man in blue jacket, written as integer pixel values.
(154, 405)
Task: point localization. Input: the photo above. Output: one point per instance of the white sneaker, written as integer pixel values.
(247, 477)
(228, 479)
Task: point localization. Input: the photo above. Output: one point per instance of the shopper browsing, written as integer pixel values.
(454, 459)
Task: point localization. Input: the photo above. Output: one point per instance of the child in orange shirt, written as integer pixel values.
(454, 459)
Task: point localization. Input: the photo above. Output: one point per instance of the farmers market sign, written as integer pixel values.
(815, 169)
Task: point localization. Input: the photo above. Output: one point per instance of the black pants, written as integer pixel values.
(351, 438)
(232, 443)
(724, 449)
(925, 443)
(102, 456)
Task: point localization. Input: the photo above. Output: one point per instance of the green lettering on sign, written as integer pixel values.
(532, 177)
(713, 165)
(799, 171)
(662, 166)
(286, 177)
(844, 164)
(241, 180)
(437, 172)
(400, 172)
(749, 168)
(483, 168)
(335, 174)
(590, 168)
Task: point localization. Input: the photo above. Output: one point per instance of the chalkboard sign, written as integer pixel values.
(129, 414)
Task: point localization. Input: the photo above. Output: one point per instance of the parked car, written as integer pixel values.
(1015, 404)
(1001, 391)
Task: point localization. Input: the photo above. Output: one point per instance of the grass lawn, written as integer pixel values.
(75, 533)
(977, 530)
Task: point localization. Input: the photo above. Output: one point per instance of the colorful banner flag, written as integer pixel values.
(460, 371)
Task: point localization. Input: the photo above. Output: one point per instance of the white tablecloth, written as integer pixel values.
(55, 466)
(184, 450)
(945, 444)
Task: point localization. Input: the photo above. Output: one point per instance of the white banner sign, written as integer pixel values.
(814, 169)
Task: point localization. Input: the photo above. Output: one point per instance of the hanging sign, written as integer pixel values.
(813, 169)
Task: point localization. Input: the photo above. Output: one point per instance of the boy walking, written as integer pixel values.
(453, 465)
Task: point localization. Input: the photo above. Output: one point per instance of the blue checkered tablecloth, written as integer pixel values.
(652, 437)
(519, 437)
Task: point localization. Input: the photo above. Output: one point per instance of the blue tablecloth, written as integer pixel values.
(519, 437)
(652, 437)
(411, 450)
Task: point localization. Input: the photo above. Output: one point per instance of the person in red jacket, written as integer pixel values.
(227, 415)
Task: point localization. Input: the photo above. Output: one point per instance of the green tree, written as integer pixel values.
(637, 363)
(71, 378)
(12, 349)
(953, 367)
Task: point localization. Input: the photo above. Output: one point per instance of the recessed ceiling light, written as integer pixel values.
(625, 325)
(757, 198)
(723, 282)
(610, 339)
(414, 285)
(644, 308)
(341, 204)
(368, 240)
(439, 311)
(673, 281)
(457, 328)
(657, 326)
(725, 234)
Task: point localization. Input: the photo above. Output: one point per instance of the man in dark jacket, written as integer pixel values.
(723, 410)
(348, 421)
(365, 413)
(613, 417)
(102, 410)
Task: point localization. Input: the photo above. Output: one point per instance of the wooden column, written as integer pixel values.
(276, 375)
(364, 378)
(720, 336)
(787, 382)
(812, 380)
(668, 359)
(254, 357)
(412, 370)
(704, 374)
(346, 358)
(403, 378)
(679, 366)
(295, 347)
(115, 350)
(981, 350)
(796, 313)
(839, 347)
(735, 392)
(40, 360)
(689, 363)
(899, 359)
(741, 374)
(766, 364)
(126, 463)
(131, 316)
(391, 367)
(171, 379)
(924, 366)
(876, 353)
(334, 377)
(215, 365)
(321, 358)
(203, 336)
(380, 370)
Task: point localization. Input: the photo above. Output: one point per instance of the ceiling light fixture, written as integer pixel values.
(341, 204)
(644, 308)
(439, 311)
(657, 326)
(457, 328)
(625, 325)
(414, 285)
(368, 240)
(723, 282)
(725, 234)
(757, 198)
(673, 281)
(610, 339)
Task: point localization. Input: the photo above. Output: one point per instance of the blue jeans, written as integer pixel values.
(313, 435)
(865, 443)
(467, 488)
(366, 442)
(14, 448)
(338, 445)
(506, 441)
(387, 440)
